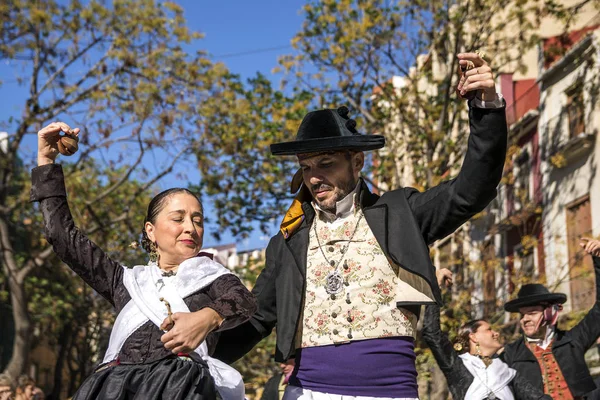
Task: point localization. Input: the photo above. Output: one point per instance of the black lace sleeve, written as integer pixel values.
(523, 389)
(82, 255)
(586, 332)
(440, 210)
(231, 300)
(458, 376)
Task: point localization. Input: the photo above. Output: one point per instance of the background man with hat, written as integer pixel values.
(549, 357)
(345, 277)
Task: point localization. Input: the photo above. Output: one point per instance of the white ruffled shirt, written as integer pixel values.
(546, 341)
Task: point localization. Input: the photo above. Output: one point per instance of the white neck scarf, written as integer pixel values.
(343, 208)
(146, 286)
(547, 340)
(493, 379)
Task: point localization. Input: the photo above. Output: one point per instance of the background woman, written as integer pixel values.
(471, 367)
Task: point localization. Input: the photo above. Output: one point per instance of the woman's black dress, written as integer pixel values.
(146, 369)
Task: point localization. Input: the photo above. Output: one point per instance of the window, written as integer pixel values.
(490, 266)
(575, 110)
(445, 255)
(581, 269)
(525, 262)
(522, 171)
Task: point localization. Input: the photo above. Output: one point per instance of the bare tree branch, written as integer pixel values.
(70, 62)
(128, 173)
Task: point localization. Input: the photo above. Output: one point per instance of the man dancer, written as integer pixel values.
(553, 359)
(345, 277)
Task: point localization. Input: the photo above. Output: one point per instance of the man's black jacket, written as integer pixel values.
(404, 222)
(568, 348)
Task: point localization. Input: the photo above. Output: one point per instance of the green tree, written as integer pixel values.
(66, 313)
(244, 182)
(121, 73)
(148, 109)
(348, 51)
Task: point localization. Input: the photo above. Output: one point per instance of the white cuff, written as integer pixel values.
(496, 103)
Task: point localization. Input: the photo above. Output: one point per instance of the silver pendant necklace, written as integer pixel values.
(334, 283)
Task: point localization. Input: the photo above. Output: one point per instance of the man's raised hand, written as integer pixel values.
(444, 275)
(477, 77)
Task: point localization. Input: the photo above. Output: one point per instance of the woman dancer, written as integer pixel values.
(179, 291)
(472, 370)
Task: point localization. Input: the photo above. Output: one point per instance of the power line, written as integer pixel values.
(255, 51)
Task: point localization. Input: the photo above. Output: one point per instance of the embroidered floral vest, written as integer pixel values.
(366, 307)
(554, 382)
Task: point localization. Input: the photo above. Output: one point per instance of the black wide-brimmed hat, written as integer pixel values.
(328, 130)
(534, 294)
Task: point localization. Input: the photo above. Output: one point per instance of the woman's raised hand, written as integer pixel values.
(591, 246)
(50, 142)
(444, 275)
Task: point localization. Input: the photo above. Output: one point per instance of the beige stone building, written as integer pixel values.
(527, 233)
(550, 193)
(569, 120)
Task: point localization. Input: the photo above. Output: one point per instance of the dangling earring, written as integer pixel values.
(153, 253)
(477, 350)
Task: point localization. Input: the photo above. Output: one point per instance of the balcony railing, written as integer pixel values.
(559, 147)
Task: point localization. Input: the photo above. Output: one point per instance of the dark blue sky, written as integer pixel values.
(233, 29)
